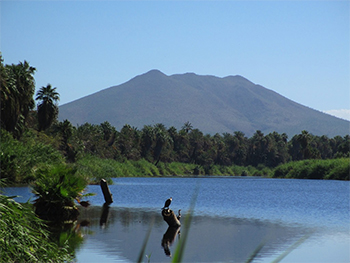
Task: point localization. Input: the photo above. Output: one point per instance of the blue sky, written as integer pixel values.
(300, 49)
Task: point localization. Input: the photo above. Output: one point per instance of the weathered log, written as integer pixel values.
(105, 190)
(170, 217)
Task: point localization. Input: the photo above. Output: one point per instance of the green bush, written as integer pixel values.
(340, 170)
(20, 159)
(56, 188)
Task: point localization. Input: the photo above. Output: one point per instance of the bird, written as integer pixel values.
(179, 215)
(83, 203)
(167, 203)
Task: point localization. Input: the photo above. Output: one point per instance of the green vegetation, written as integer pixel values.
(17, 90)
(21, 158)
(56, 187)
(336, 169)
(25, 238)
(47, 107)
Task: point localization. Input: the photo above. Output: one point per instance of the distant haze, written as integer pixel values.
(342, 113)
(209, 103)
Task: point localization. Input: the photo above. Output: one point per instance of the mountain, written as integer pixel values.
(209, 103)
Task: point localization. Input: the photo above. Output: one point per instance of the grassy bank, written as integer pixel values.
(335, 169)
(94, 168)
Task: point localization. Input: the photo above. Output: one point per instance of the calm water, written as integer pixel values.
(232, 216)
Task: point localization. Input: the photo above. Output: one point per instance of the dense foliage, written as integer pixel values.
(21, 158)
(24, 237)
(17, 87)
(336, 169)
(158, 143)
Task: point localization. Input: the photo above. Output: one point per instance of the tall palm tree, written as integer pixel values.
(304, 139)
(67, 130)
(147, 141)
(17, 93)
(162, 139)
(47, 107)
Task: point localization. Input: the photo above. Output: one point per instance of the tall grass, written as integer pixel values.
(23, 236)
(335, 169)
(94, 169)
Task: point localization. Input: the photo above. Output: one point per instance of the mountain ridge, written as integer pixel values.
(211, 104)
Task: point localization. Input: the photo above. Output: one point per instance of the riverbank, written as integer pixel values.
(333, 169)
(22, 159)
(93, 169)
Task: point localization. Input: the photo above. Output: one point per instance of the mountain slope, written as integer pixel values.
(211, 104)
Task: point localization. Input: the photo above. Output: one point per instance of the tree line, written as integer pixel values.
(189, 145)
(154, 143)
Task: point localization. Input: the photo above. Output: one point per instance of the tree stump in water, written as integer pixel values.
(170, 217)
(105, 190)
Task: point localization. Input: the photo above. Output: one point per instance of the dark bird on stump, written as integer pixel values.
(83, 203)
(179, 215)
(167, 203)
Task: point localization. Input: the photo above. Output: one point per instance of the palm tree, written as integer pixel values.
(108, 130)
(239, 148)
(187, 127)
(147, 141)
(162, 139)
(257, 149)
(16, 96)
(67, 130)
(47, 107)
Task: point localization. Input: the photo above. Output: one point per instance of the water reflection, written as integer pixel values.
(280, 211)
(104, 215)
(169, 238)
(118, 233)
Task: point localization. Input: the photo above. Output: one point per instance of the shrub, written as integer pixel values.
(56, 188)
(20, 159)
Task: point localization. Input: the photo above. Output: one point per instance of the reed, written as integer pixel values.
(24, 237)
(334, 169)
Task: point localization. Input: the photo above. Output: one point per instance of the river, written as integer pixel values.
(232, 216)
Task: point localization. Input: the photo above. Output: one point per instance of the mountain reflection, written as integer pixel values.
(119, 233)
